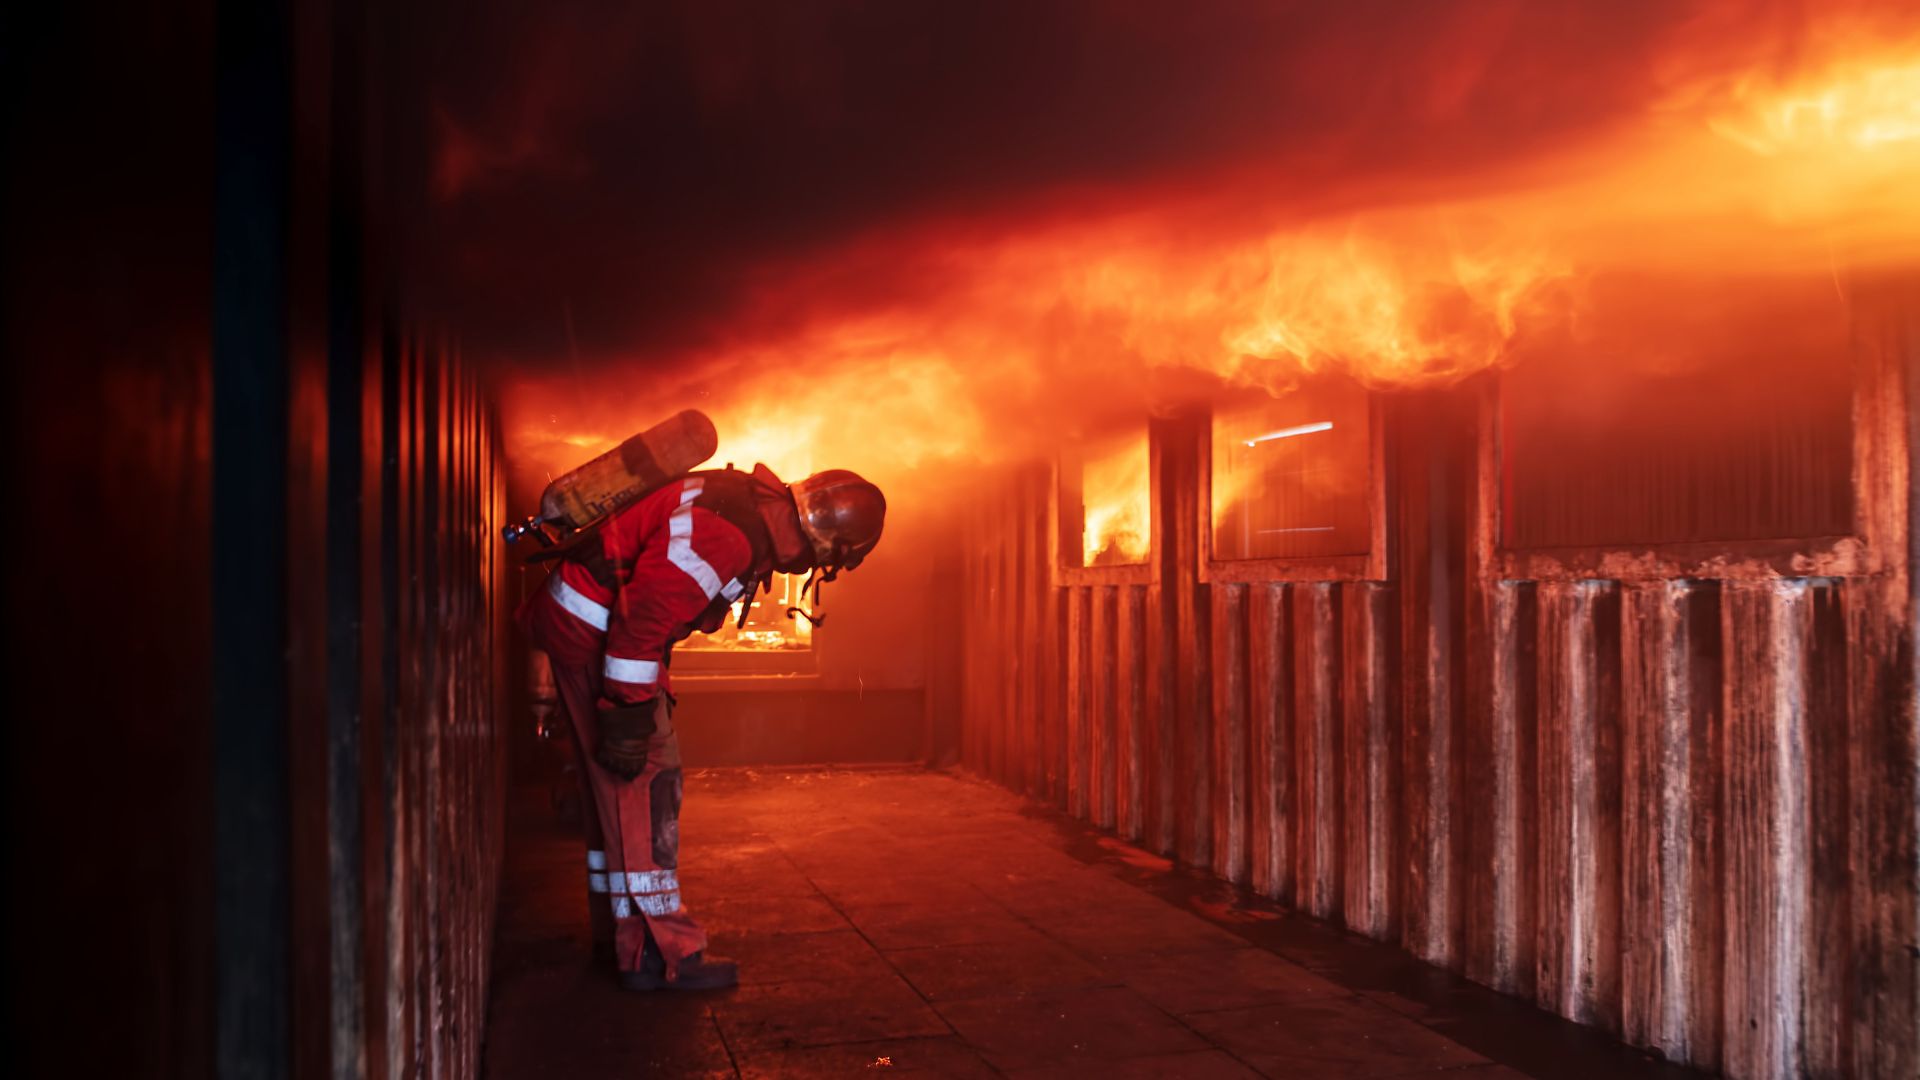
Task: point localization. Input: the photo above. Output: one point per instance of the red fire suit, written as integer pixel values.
(662, 567)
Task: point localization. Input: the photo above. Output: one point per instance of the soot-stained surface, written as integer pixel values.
(913, 922)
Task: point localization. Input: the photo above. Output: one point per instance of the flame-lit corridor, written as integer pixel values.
(923, 923)
(748, 539)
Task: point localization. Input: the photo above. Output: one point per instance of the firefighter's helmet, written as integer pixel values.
(841, 515)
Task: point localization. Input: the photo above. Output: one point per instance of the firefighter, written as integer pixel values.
(671, 563)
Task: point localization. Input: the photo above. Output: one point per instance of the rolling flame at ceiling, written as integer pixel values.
(1746, 147)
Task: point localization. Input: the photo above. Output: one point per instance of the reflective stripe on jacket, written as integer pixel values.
(669, 560)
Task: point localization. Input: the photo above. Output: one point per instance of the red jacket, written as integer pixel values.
(661, 568)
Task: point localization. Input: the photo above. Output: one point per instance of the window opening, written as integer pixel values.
(767, 628)
(1683, 412)
(1105, 501)
(1291, 474)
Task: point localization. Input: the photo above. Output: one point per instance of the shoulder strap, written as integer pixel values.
(728, 493)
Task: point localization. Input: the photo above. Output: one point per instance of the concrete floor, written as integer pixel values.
(904, 921)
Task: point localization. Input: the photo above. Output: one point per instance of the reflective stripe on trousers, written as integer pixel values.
(653, 892)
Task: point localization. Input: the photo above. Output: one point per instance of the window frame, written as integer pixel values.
(1140, 573)
(1878, 440)
(1368, 566)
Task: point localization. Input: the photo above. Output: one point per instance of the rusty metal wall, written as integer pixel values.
(435, 765)
(256, 607)
(1673, 801)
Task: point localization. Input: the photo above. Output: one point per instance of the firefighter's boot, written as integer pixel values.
(696, 972)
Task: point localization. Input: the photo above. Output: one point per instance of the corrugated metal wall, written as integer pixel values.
(408, 771)
(258, 630)
(435, 770)
(1676, 802)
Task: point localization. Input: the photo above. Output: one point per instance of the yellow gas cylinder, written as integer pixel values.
(676, 445)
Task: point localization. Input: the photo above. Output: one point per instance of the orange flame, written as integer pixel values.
(1115, 492)
(1748, 164)
(1867, 109)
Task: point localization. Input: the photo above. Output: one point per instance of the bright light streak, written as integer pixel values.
(1290, 432)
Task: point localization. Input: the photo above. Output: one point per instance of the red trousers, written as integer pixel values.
(633, 836)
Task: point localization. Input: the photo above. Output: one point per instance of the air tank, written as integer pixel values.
(673, 447)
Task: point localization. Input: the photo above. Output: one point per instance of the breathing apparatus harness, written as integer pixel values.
(733, 496)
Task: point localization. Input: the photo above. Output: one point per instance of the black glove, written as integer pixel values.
(625, 733)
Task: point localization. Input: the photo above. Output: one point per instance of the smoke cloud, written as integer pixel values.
(943, 229)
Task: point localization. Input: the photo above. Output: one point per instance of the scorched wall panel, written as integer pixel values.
(1679, 805)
